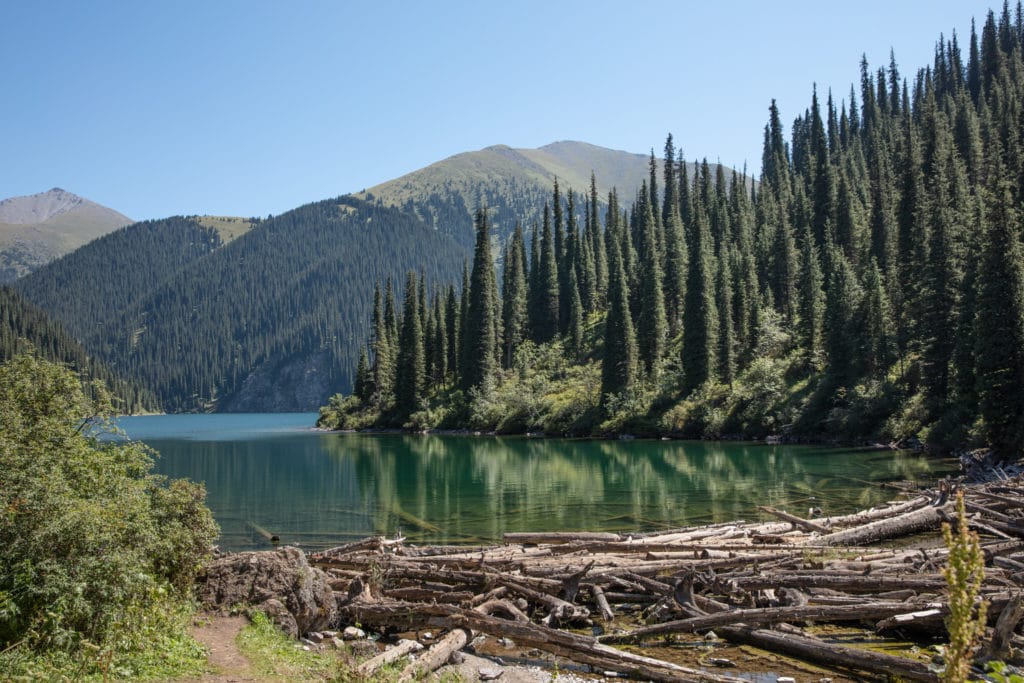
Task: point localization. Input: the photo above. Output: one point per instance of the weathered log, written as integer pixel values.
(793, 519)
(426, 595)
(761, 616)
(827, 654)
(555, 537)
(502, 607)
(436, 656)
(401, 649)
(371, 543)
(907, 523)
(602, 602)
(852, 583)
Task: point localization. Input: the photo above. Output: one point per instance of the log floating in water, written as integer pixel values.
(257, 531)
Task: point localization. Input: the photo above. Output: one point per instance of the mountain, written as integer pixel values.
(271, 320)
(232, 314)
(39, 228)
(512, 183)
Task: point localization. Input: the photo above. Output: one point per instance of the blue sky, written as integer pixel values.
(250, 108)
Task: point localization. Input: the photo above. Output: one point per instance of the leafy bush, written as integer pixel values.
(93, 542)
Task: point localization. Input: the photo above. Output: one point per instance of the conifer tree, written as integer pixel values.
(543, 299)
(811, 297)
(700, 316)
(726, 330)
(514, 297)
(618, 370)
(574, 335)
(999, 325)
(597, 246)
(383, 353)
(478, 372)
(651, 326)
(409, 382)
(451, 312)
(364, 382)
(842, 303)
(675, 244)
(879, 344)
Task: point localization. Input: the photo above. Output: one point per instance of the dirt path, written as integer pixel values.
(218, 633)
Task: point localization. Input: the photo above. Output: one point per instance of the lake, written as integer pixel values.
(316, 489)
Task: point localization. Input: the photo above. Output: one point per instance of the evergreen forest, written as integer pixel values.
(269, 321)
(24, 327)
(870, 286)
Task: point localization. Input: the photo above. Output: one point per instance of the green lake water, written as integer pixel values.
(317, 489)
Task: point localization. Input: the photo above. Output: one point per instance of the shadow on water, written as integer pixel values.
(318, 489)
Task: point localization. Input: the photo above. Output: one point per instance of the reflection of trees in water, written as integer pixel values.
(476, 488)
(460, 488)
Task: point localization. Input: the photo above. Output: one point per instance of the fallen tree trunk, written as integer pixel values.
(761, 616)
(818, 652)
(907, 523)
(401, 649)
(436, 656)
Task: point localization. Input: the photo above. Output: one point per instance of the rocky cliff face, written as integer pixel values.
(294, 384)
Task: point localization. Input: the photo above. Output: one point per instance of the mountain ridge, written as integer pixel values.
(37, 229)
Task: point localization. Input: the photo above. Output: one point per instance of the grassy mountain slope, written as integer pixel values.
(37, 229)
(512, 183)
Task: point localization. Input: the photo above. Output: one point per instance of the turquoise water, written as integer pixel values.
(317, 489)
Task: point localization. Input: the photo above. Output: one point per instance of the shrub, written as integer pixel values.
(91, 539)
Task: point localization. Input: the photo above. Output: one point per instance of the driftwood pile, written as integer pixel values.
(752, 583)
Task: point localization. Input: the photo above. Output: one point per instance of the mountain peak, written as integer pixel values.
(38, 208)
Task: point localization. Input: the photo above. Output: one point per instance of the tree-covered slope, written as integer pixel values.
(268, 322)
(22, 323)
(871, 288)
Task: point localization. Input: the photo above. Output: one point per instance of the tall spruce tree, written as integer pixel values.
(999, 325)
(700, 316)
(513, 310)
(478, 372)
(409, 383)
(619, 367)
(543, 298)
(651, 326)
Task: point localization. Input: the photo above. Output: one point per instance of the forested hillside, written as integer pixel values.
(872, 287)
(24, 326)
(265, 322)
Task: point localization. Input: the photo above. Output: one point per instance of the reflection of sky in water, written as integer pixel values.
(318, 489)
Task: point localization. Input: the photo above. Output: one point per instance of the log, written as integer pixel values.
(852, 583)
(882, 665)
(436, 656)
(558, 610)
(401, 649)
(761, 616)
(907, 523)
(557, 537)
(257, 531)
(793, 519)
(602, 602)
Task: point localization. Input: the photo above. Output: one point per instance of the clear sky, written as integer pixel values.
(249, 108)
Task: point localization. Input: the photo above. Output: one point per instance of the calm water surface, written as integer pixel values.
(319, 489)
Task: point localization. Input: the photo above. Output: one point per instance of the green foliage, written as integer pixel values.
(96, 549)
(964, 573)
(273, 654)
